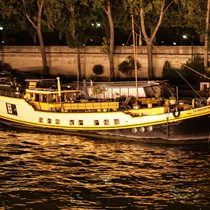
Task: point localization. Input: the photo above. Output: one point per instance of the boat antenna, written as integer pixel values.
(134, 57)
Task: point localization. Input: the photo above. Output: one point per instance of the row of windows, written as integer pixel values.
(79, 122)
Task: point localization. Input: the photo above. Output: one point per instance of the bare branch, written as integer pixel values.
(159, 21)
(30, 20)
(168, 7)
(40, 6)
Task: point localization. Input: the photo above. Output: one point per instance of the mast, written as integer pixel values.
(134, 57)
(59, 88)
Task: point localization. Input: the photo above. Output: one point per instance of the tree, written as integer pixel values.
(98, 69)
(111, 46)
(192, 14)
(24, 11)
(36, 21)
(151, 14)
(106, 6)
(199, 9)
(127, 66)
(74, 24)
(160, 7)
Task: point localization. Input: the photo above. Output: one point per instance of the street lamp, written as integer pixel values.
(186, 37)
(2, 29)
(1, 45)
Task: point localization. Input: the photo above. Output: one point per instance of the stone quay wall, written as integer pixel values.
(63, 60)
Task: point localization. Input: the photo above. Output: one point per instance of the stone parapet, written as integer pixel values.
(63, 60)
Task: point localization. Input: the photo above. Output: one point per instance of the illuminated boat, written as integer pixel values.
(156, 115)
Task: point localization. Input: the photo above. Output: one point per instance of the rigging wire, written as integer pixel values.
(188, 83)
(176, 70)
(203, 75)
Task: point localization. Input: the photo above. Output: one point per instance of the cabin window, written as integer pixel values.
(36, 97)
(49, 120)
(149, 91)
(41, 119)
(57, 121)
(80, 122)
(44, 98)
(116, 121)
(106, 122)
(11, 109)
(96, 122)
(71, 122)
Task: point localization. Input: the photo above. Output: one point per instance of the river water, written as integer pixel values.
(47, 171)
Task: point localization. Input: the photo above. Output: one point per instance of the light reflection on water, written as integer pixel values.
(45, 171)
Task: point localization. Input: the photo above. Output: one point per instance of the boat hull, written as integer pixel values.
(154, 125)
(189, 131)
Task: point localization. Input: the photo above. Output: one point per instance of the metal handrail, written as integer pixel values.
(13, 94)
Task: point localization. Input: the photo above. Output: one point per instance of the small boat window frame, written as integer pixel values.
(49, 120)
(116, 121)
(41, 119)
(57, 121)
(80, 122)
(106, 122)
(96, 122)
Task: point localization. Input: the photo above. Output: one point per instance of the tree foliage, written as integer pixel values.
(127, 66)
(98, 69)
(73, 19)
(193, 77)
(28, 14)
(186, 72)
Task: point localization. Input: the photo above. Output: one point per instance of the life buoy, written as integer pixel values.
(176, 112)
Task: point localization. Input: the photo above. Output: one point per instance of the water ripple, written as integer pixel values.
(41, 171)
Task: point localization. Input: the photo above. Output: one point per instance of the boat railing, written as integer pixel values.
(91, 106)
(13, 93)
(75, 106)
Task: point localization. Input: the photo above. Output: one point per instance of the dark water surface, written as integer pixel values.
(45, 171)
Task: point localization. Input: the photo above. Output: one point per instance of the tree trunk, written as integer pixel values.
(206, 37)
(150, 40)
(43, 53)
(79, 72)
(38, 28)
(150, 63)
(111, 44)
